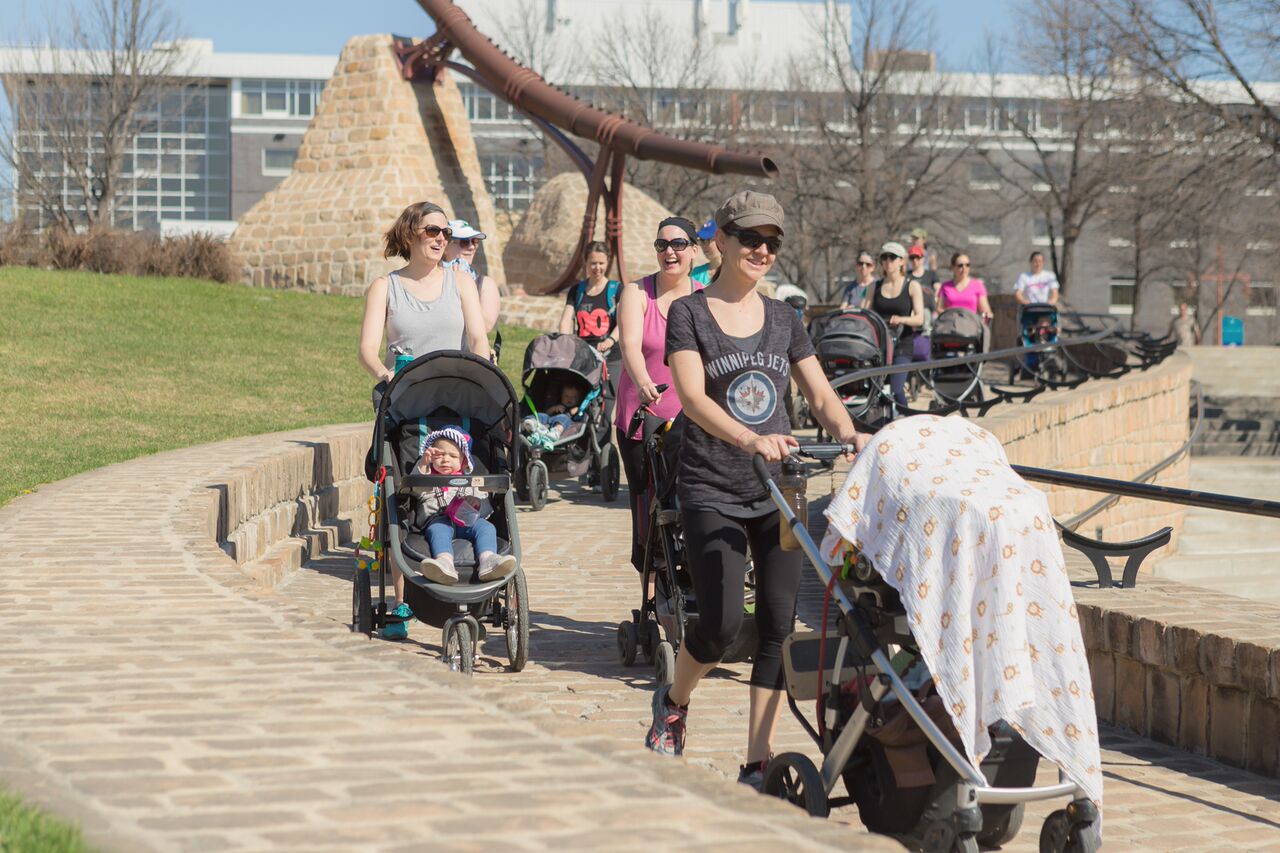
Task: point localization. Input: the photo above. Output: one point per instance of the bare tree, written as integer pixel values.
(1062, 160)
(534, 41)
(1209, 53)
(75, 105)
(872, 152)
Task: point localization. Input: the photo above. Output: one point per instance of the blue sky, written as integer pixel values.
(323, 26)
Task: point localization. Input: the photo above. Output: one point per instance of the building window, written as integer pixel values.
(278, 161)
(277, 98)
(511, 179)
(984, 232)
(1041, 236)
(1262, 299)
(983, 176)
(1122, 290)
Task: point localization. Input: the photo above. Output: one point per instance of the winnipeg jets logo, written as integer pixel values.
(752, 398)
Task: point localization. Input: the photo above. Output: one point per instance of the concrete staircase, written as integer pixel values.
(1234, 553)
(1242, 401)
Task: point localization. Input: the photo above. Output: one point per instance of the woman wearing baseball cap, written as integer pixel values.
(460, 254)
(900, 301)
(732, 352)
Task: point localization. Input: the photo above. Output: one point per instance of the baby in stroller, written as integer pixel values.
(456, 512)
(557, 418)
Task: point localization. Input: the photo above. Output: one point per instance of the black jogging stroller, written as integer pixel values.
(440, 389)
(853, 339)
(658, 627)
(553, 362)
(956, 332)
(866, 669)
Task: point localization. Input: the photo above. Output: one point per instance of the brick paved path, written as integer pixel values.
(148, 691)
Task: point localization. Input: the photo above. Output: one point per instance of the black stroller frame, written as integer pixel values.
(870, 402)
(960, 384)
(532, 472)
(1038, 324)
(460, 610)
(962, 810)
(653, 630)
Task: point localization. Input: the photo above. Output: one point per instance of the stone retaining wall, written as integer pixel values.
(533, 312)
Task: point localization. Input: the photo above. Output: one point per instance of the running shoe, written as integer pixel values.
(666, 735)
(398, 630)
(752, 774)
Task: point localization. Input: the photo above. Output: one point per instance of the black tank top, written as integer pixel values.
(899, 306)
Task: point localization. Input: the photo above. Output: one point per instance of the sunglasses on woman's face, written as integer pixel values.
(679, 244)
(434, 231)
(866, 264)
(753, 239)
(962, 266)
(469, 241)
(884, 258)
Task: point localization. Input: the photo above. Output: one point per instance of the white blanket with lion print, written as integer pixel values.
(972, 550)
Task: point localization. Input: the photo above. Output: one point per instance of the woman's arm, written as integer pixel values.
(472, 315)
(566, 319)
(631, 308)
(372, 326)
(916, 319)
(984, 305)
(825, 404)
(490, 303)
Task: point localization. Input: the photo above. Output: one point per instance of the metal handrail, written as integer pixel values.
(1146, 476)
(1166, 494)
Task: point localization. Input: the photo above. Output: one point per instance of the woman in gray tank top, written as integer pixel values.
(421, 307)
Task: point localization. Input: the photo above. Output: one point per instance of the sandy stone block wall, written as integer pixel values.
(1114, 428)
(377, 144)
(533, 312)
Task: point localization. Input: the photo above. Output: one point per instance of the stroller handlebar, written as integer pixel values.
(822, 451)
(638, 418)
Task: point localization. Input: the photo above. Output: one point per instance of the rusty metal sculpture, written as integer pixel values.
(556, 112)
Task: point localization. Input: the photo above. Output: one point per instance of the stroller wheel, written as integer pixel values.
(793, 777)
(650, 641)
(459, 649)
(361, 603)
(627, 643)
(610, 473)
(515, 620)
(664, 663)
(536, 478)
(1005, 829)
(1060, 835)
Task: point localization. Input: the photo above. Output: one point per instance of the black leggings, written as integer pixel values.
(636, 466)
(717, 551)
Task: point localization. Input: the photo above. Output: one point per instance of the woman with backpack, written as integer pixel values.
(591, 305)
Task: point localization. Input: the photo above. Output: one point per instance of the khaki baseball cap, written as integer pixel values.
(749, 209)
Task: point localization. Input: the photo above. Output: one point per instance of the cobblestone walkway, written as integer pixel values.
(148, 691)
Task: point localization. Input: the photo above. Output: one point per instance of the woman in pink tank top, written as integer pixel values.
(642, 315)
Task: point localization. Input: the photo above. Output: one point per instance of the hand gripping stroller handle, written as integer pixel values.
(638, 418)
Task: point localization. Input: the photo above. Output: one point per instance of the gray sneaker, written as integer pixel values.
(493, 566)
(752, 774)
(439, 569)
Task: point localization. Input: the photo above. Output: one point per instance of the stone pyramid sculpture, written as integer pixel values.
(378, 142)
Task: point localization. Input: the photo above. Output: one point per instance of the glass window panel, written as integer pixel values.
(171, 164)
(276, 159)
(251, 103)
(171, 185)
(304, 103)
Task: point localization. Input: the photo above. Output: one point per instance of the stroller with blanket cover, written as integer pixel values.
(890, 729)
(444, 389)
(553, 364)
(856, 339)
(956, 332)
(668, 607)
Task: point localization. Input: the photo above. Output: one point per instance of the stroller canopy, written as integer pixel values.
(853, 334)
(557, 351)
(1034, 312)
(958, 323)
(459, 382)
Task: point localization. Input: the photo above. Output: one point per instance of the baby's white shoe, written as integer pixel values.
(439, 569)
(494, 566)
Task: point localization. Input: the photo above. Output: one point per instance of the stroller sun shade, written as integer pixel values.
(958, 323)
(847, 336)
(457, 381)
(563, 352)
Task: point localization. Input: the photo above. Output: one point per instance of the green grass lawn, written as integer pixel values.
(96, 369)
(25, 830)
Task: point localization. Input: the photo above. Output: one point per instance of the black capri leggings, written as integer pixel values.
(636, 466)
(717, 551)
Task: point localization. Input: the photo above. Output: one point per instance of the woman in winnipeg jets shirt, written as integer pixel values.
(731, 353)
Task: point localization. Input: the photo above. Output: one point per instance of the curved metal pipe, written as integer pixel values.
(534, 95)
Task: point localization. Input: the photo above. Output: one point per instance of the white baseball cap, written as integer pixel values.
(462, 230)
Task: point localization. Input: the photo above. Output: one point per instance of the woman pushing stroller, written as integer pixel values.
(731, 353)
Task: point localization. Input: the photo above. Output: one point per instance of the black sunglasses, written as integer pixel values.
(434, 231)
(468, 241)
(679, 244)
(963, 265)
(884, 258)
(753, 239)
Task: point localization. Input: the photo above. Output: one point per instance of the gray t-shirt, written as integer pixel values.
(748, 379)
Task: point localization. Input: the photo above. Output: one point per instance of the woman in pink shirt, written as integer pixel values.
(642, 316)
(962, 291)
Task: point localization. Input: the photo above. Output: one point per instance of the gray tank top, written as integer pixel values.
(416, 327)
